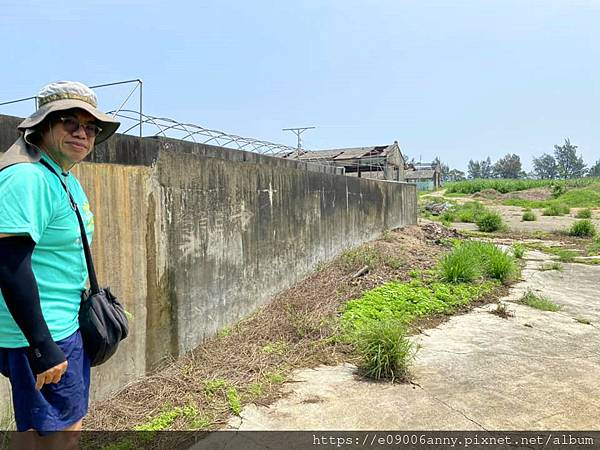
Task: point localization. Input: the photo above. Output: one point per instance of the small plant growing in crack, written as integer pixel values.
(583, 320)
(554, 265)
(501, 310)
(539, 302)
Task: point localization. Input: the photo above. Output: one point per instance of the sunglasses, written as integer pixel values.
(71, 125)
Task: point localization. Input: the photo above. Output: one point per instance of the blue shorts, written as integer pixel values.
(56, 406)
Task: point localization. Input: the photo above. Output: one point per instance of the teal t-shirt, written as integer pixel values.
(34, 202)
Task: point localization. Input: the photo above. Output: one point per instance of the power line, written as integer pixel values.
(298, 131)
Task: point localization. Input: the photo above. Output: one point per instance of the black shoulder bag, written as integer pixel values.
(102, 320)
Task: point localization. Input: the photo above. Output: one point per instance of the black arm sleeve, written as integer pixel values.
(20, 291)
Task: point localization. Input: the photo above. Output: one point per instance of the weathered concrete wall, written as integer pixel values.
(194, 237)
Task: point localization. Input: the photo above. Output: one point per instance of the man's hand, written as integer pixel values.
(51, 375)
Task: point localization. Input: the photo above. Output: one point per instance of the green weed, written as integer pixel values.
(583, 228)
(275, 377)
(529, 216)
(233, 400)
(211, 387)
(554, 265)
(564, 255)
(518, 250)
(404, 302)
(384, 349)
(584, 214)
(275, 348)
(539, 302)
(474, 259)
(490, 222)
(556, 210)
(594, 248)
(165, 419)
(361, 256)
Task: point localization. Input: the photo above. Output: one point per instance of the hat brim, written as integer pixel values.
(108, 124)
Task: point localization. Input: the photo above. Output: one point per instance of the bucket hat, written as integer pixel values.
(64, 95)
(54, 97)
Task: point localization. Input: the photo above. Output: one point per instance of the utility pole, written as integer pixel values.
(298, 132)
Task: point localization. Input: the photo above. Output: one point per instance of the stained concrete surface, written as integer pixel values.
(534, 371)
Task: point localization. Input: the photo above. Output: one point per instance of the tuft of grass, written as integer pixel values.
(556, 210)
(564, 255)
(554, 265)
(583, 228)
(529, 216)
(518, 250)
(361, 256)
(584, 214)
(490, 222)
(539, 302)
(384, 350)
(474, 259)
(594, 248)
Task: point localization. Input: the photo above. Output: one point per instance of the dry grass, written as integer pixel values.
(297, 329)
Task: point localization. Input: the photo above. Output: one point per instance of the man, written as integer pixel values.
(42, 264)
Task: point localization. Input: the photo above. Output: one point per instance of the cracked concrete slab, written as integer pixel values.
(537, 370)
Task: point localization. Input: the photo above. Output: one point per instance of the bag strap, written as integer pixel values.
(86, 247)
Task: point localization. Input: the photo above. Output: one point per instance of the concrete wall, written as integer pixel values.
(193, 237)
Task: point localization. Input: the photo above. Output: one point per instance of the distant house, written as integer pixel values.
(383, 162)
(427, 176)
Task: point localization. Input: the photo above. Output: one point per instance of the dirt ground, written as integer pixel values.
(512, 217)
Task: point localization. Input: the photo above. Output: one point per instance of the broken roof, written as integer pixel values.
(426, 174)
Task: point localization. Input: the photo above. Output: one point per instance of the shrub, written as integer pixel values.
(583, 228)
(529, 216)
(584, 214)
(470, 212)
(556, 210)
(558, 190)
(489, 222)
(518, 250)
(384, 350)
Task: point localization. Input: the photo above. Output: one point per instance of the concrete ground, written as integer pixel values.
(534, 371)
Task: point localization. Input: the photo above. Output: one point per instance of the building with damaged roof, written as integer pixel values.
(383, 162)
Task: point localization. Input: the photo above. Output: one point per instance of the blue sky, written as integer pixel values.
(455, 79)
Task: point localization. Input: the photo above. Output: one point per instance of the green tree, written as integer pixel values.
(568, 164)
(545, 167)
(474, 169)
(595, 170)
(508, 167)
(456, 175)
(480, 169)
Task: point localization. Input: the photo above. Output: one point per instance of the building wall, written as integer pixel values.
(192, 238)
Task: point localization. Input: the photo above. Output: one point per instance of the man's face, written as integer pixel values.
(66, 139)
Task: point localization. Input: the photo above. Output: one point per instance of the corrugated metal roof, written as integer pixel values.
(419, 174)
